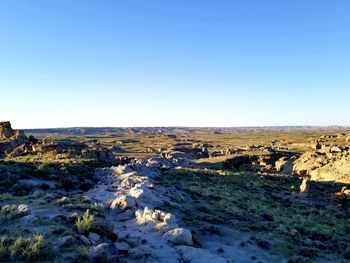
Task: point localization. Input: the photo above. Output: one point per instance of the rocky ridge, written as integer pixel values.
(146, 232)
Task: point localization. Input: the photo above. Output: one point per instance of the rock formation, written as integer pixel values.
(9, 138)
(330, 163)
(8, 134)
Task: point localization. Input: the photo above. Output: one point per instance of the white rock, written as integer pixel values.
(139, 216)
(169, 218)
(22, 210)
(179, 236)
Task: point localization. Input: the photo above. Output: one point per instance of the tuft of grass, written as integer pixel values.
(83, 224)
(22, 248)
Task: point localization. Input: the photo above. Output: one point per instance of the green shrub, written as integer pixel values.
(83, 224)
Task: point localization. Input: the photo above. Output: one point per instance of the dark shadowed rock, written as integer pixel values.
(103, 228)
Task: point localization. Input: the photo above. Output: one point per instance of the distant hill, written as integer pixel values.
(166, 130)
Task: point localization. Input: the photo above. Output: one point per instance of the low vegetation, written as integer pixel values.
(23, 248)
(83, 223)
(267, 206)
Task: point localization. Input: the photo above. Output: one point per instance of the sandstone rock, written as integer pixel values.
(324, 165)
(123, 202)
(281, 163)
(169, 218)
(347, 139)
(335, 149)
(11, 140)
(7, 133)
(179, 236)
(304, 187)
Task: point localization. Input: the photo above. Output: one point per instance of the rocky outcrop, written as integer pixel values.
(10, 139)
(329, 163)
(8, 134)
(14, 143)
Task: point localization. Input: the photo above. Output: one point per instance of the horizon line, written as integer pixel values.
(192, 127)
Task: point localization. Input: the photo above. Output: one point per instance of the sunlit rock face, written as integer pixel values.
(10, 139)
(7, 133)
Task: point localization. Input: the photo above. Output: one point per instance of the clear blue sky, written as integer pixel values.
(174, 62)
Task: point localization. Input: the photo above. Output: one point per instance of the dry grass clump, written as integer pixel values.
(22, 248)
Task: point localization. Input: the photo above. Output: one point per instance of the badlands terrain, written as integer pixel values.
(175, 194)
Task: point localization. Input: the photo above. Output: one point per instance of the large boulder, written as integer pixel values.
(179, 236)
